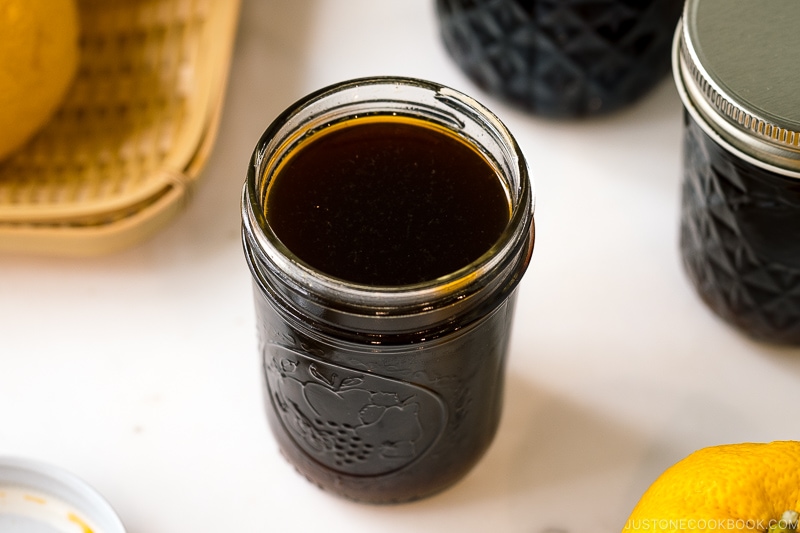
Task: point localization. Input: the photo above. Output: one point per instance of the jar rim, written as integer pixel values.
(453, 285)
(729, 91)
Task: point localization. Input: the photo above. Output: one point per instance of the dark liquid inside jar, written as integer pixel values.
(387, 201)
(561, 58)
(740, 238)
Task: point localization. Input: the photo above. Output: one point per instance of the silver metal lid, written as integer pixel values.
(738, 67)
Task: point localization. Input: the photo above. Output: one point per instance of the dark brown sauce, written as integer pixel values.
(387, 201)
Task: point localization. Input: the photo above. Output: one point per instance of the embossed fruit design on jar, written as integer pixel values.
(355, 422)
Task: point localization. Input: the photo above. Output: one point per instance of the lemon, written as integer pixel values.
(38, 59)
(727, 488)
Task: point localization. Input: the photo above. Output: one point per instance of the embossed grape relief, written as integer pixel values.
(353, 422)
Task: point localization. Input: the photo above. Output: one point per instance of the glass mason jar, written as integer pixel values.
(735, 66)
(384, 393)
(561, 58)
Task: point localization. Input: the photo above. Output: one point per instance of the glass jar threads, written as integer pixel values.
(561, 58)
(736, 69)
(383, 361)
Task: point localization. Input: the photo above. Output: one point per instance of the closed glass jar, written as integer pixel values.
(561, 58)
(735, 66)
(384, 393)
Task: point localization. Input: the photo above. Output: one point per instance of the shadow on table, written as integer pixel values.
(544, 443)
(786, 357)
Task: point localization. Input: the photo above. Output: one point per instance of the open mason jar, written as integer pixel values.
(389, 388)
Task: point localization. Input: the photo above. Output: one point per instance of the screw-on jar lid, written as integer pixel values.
(737, 66)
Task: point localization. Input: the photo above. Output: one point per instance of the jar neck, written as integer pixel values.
(426, 314)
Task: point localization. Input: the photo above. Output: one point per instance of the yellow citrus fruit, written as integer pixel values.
(727, 488)
(38, 59)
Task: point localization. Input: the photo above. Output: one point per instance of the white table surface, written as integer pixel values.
(138, 371)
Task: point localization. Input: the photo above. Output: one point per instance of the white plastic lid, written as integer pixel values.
(40, 498)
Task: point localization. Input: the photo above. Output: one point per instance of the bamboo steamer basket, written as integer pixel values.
(121, 156)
